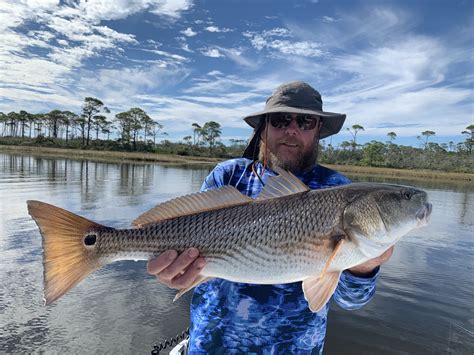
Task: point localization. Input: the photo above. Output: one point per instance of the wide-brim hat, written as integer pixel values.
(293, 97)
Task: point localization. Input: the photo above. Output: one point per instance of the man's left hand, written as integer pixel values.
(368, 267)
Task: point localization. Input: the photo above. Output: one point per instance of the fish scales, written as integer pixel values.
(288, 231)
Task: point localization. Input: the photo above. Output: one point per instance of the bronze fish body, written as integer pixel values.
(289, 233)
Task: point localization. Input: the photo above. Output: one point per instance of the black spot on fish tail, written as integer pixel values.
(90, 239)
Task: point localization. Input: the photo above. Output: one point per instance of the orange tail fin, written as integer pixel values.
(66, 259)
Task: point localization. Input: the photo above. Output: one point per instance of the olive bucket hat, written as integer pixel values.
(293, 97)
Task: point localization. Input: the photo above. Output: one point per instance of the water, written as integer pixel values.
(423, 305)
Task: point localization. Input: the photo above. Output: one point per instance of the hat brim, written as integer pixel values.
(332, 122)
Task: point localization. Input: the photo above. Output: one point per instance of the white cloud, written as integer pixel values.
(270, 40)
(183, 44)
(236, 55)
(304, 48)
(420, 108)
(97, 10)
(211, 52)
(120, 87)
(76, 36)
(401, 82)
(215, 73)
(278, 32)
(189, 32)
(178, 114)
(171, 8)
(217, 29)
(68, 35)
(328, 19)
(62, 42)
(16, 70)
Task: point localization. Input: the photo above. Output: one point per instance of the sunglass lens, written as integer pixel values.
(280, 120)
(283, 120)
(306, 122)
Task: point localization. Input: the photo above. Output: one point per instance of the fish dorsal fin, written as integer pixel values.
(284, 184)
(226, 196)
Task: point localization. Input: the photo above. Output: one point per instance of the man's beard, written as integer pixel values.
(302, 163)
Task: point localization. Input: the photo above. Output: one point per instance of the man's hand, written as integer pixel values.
(368, 267)
(177, 271)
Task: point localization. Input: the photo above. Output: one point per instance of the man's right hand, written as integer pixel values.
(177, 271)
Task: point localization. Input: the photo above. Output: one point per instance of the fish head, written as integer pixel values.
(377, 216)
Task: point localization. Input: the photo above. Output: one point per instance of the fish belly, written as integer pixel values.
(252, 265)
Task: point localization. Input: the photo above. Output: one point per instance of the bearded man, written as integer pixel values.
(230, 317)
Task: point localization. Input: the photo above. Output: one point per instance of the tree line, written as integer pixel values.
(428, 155)
(465, 146)
(135, 130)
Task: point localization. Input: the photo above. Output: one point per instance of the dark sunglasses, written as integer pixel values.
(282, 120)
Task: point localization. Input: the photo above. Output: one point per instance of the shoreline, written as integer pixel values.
(107, 155)
(113, 156)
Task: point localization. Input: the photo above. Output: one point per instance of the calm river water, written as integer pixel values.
(424, 302)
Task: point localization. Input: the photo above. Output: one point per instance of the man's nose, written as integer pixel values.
(292, 128)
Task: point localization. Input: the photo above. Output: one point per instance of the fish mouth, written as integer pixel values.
(423, 214)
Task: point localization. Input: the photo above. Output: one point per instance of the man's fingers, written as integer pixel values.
(185, 280)
(179, 265)
(161, 262)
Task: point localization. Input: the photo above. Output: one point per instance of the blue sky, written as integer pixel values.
(402, 66)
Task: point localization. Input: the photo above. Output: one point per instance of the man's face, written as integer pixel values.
(290, 147)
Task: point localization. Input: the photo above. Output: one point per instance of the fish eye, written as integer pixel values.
(90, 239)
(406, 195)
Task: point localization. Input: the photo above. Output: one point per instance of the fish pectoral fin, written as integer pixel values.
(284, 184)
(226, 196)
(319, 289)
(197, 282)
(336, 250)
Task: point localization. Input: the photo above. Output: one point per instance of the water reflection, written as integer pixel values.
(423, 302)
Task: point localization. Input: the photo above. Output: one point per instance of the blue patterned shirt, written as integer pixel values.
(229, 317)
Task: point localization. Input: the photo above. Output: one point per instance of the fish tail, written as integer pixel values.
(66, 257)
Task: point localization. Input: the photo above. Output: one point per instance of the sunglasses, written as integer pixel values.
(282, 120)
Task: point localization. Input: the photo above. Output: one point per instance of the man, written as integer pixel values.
(244, 318)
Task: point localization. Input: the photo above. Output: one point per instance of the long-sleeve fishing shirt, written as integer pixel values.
(229, 317)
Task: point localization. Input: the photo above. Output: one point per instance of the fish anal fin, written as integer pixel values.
(197, 282)
(319, 289)
(226, 196)
(284, 184)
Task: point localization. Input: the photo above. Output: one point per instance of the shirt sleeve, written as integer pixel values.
(214, 180)
(353, 292)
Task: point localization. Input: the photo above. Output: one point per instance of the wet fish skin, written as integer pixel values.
(247, 241)
(290, 234)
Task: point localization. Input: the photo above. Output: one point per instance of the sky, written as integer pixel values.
(403, 66)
